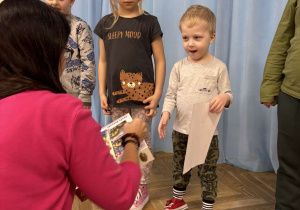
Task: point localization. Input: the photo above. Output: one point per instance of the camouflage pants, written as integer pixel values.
(206, 172)
(138, 113)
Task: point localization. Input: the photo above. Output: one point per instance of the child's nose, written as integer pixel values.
(191, 43)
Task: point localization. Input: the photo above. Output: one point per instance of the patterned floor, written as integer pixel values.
(238, 189)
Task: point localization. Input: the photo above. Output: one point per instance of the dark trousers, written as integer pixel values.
(288, 174)
(206, 171)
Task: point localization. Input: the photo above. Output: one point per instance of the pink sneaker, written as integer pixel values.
(175, 204)
(141, 198)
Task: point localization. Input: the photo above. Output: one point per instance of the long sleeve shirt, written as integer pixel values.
(192, 83)
(48, 144)
(282, 69)
(78, 77)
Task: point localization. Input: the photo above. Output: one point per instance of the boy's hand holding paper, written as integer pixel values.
(203, 126)
(218, 103)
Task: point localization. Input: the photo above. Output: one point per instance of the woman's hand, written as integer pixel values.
(137, 126)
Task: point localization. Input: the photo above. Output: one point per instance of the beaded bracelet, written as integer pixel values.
(132, 135)
(130, 141)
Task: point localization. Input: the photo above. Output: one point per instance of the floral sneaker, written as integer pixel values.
(176, 204)
(141, 198)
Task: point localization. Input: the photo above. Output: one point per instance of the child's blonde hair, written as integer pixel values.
(196, 13)
(114, 9)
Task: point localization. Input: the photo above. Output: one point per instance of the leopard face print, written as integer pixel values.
(133, 87)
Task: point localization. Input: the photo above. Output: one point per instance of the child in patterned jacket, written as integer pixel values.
(78, 77)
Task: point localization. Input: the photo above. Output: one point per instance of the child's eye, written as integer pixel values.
(184, 38)
(198, 37)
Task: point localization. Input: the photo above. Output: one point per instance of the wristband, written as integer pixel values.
(130, 141)
(132, 135)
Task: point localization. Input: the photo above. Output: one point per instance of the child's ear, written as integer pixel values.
(72, 2)
(212, 38)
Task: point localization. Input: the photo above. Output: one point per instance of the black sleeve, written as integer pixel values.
(155, 29)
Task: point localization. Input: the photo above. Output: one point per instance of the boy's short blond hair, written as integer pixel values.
(197, 13)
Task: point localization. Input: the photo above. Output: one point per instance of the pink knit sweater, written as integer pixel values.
(49, 144)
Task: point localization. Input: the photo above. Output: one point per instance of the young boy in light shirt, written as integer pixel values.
(200, 77)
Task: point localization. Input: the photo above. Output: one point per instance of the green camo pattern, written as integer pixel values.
(206, 172)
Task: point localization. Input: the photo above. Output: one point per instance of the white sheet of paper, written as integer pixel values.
(203, 126)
